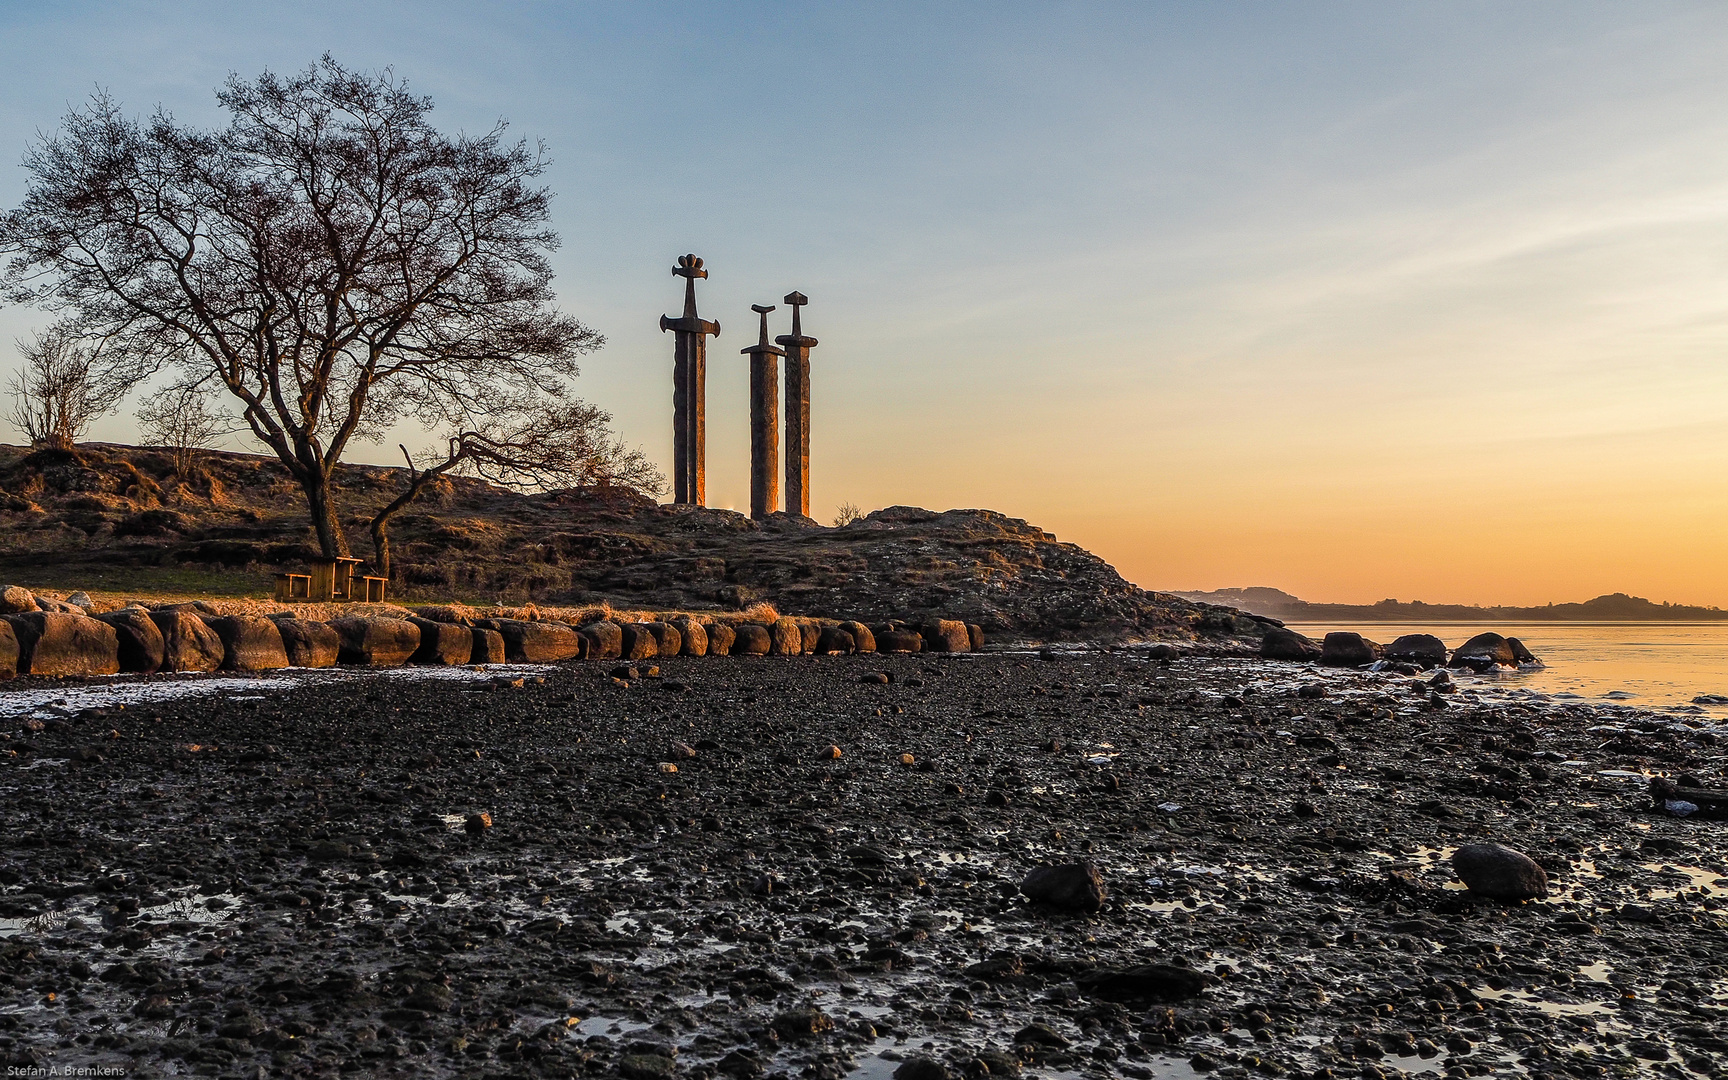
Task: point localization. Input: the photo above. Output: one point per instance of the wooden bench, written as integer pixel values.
(293, 587)
(372, 589)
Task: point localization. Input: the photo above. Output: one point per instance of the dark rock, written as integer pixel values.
(862, 639)
(605, 640)
(188, 643)
(890, 640)
(1283, 644)
(834, 640)
(975, 636)
(57, 644)
(1423, 650)
(751, 639)
(249, 643)
(1041, 1035)
(1344, 648)
(646, 1067)
(946, 635)
(8, 650)
(376, 642)
(802, 1024)
(1499, 873)
(309, 644)
(1485, 651)
(140, 640)
(488, 646)
(1145, 982)
(1072, 886)
(1163, 652)
(809, 633)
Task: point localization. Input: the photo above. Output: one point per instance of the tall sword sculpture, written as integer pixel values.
(764, 419)
(797, 410)
(689, 393)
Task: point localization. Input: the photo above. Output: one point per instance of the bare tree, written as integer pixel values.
(328, 258)
(57, 395)
(846, 513)
(558, 443)
(183, 420)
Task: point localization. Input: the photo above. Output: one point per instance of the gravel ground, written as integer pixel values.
(771, 867)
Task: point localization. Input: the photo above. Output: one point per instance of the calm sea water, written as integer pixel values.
(1653, 664)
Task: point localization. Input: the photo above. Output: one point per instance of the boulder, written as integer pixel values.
(376, 642)
(1485, 651)
(693, 637)
(1284, 644)
(61, 607)
(249, 643)
(720, 638)
(8, 650)
(1423, 650)
(140, 641)
(809, 636)
(58, 643)
(536, 641)
(889, 640)
(442, 643)
(16, 600)
(1071, 886)
(751, 639)
(1499, 873)
(667, 640)
(188, 643)
(975, 635)
(488, 646)
(1145, 983)
(639, 642)
(834, 640)
(1519, 653)
(788, 637)
(946, 635)
(1345, 648)
(862, 639)
(309, 644)
(605, 640)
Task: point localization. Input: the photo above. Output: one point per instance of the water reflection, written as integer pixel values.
(1652, 664)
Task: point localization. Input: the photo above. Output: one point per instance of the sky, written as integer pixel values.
(1411, 300)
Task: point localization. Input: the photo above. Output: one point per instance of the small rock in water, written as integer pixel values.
(1498, 872)
(1072, 886)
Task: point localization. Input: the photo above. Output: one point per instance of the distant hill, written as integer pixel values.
(1613, 607)
(114, 519)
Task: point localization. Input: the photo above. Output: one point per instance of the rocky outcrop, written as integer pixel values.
(1423, 650)
(1485, 651)
(1283, 644)
(1345, 648)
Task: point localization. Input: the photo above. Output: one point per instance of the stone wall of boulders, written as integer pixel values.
(1344, 648)
(42, 636)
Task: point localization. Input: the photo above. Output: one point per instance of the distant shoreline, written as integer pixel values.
(1612, 608)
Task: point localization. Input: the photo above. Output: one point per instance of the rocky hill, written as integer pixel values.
(1611, 607)
(116, 519)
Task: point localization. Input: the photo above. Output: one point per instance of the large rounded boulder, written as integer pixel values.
(946, 635)
(752, 639)
(1070, 887)
(309, 644)
(862, 639)
(692, 637)
(639, 642)
(1346, 648)
(441, 643)
(57, 643)
(834, 641)
(720, 639)
(249, 643)
(667, 640)
(605, 640)
(1282, 643)
(788, 637)
(488, 646)
(140, 641)
(890, 639)
(188, 643)
(1487, 651)
(1500, 873)
(536, 641)
(1423, 650)
(376, 642)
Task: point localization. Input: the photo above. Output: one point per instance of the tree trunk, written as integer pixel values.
(321, 504)
(381, 544)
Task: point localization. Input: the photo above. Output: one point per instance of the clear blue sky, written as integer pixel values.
(1360, 300)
